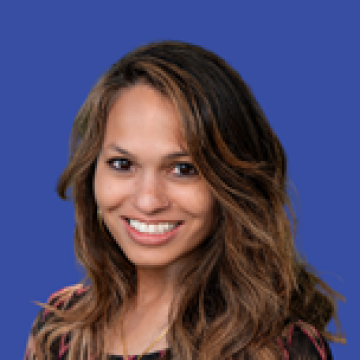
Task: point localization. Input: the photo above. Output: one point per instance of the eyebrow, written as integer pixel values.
(165, 157)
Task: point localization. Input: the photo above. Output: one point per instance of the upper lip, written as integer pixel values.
(151, 221)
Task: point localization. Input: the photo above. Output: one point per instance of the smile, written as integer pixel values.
(150, 237)
(160, 228)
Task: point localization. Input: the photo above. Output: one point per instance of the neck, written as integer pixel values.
(155, 285)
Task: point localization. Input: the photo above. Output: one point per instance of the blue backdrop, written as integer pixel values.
(301, 60)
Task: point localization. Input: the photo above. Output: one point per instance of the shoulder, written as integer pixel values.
(301, 340)
(60, 299)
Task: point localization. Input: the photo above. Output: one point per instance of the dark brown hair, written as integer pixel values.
(248, 279)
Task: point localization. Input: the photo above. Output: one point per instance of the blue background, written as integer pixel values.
(301, 60)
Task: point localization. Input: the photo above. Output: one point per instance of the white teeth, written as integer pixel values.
(152, 228)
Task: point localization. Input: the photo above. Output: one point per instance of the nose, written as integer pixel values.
(150, 195)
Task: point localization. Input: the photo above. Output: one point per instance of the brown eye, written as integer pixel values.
(185, 169)
(119, 164)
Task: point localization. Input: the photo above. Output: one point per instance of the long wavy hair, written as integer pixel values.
(248, 279)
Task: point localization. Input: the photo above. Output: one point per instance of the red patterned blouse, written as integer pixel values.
(301, 340)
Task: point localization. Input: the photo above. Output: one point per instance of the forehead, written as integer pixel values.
(141, 113)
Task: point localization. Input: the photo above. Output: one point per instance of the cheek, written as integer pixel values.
(198, 201)
(106, 189)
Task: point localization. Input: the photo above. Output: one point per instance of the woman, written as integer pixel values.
(172, 136)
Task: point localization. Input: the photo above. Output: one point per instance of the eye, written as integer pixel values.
(186, 169)
(118, 163)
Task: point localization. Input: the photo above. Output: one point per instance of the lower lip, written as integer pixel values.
(151, 239)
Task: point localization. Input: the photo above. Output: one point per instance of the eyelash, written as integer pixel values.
(111, 162)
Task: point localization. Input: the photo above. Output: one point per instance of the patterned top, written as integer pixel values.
(299, 340)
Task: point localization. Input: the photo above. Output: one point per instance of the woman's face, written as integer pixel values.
(147, 185)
